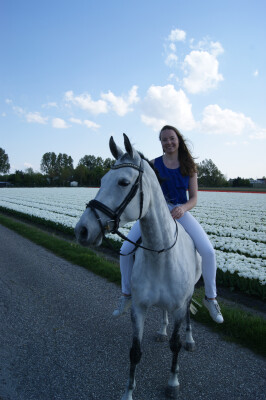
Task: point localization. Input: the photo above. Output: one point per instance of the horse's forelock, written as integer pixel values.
(125, 157)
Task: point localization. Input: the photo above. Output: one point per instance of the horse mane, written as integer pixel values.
(160, 180)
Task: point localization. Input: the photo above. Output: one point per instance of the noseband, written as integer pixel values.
(115, 215)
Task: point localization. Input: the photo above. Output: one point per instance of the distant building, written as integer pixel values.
(258, 182)
(74, 184)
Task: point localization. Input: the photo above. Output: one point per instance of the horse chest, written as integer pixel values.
(162, 283)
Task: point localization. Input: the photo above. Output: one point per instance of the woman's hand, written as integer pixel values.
(178, 212)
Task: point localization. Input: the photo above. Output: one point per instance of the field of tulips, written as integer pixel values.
(235, 223)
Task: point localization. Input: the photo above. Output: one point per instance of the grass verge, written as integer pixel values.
(239, 326)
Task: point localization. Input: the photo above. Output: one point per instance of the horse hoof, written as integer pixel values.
(161, 338)
(171, 392)
(191, 346)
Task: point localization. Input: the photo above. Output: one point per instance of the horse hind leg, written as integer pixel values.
(190, 344)
(162, 333)
(137, 318)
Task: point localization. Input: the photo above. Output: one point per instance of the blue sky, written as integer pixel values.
(75, 72)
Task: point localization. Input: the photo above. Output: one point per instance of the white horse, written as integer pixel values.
(166, 266)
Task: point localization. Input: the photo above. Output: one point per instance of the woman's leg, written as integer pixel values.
(205, 249)
(126, 266)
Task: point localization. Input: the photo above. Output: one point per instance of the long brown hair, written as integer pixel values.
(187, 163)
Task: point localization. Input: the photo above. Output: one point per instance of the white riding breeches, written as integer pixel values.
(202, 244)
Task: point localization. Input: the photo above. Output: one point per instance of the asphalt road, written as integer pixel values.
(59, 341)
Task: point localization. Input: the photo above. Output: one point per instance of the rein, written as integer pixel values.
(115, 215)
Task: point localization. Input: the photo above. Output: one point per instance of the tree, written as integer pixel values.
(58, 168)
(17, 178)
(91, 162)
(48, 165)
(95, 169)
(4, 162)
(209, 175)
(64, 167)
(108, 162)
(81, 174)
(241, 182)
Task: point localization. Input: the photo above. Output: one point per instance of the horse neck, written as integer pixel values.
(157, 226)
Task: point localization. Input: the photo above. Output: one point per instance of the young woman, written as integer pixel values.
(179, 172)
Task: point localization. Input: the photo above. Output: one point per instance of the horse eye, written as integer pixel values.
(123, 182)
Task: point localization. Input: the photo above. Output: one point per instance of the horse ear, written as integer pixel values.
(128, 146)
(115, 150)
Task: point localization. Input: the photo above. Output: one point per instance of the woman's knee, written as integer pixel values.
(126, 248)
(207, 252)
(204, 246)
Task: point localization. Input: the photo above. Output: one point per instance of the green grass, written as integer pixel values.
(239, 326)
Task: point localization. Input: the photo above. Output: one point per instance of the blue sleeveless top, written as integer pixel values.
(174, 185)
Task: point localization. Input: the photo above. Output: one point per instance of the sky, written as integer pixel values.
(75, 72)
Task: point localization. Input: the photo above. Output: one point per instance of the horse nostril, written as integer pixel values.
(83, 233)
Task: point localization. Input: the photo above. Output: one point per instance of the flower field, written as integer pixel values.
(235, 223)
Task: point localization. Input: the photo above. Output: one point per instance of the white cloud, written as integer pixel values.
(177, 35)
(85, 102)
(172, 47)
(201, 68)
(91, 124)
(3, 114)
(51, 104)
(35, 117)
(59, 123)
(220, 121)
(19, 110)
(258, 134)
(171, 60)
(76, 121)
(256, 73)
(171, 77)
(216, 48)
(121, 104)
(28, 165)
(86, 122)
(165, 105)
(233, 143)
(155, 123)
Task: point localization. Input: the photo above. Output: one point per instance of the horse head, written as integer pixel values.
(119, 200)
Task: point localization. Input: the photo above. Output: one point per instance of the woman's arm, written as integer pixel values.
(179, 211)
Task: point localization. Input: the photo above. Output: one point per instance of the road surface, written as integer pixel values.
(58, 340)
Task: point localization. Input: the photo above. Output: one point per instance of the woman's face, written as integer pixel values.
(169, 141)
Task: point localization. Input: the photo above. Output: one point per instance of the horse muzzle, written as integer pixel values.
(86, 236)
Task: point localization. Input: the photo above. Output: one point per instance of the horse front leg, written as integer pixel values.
(175, 346)
(162, 333)
(190, 344)
(138, 315)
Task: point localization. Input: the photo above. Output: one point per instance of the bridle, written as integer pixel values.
(95, 205)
